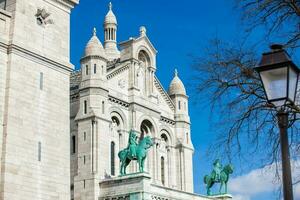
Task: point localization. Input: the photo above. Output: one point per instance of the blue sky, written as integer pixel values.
(177, 29)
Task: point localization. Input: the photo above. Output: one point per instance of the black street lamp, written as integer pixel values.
(279, 76)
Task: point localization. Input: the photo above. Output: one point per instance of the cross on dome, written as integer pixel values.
(175, 72)
(94, 31)
(110, 6)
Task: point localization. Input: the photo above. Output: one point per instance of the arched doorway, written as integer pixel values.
(146, 128)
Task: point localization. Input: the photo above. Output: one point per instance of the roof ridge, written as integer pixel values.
(164, 93)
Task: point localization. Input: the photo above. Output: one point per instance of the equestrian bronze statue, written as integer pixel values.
(220, 175)
(134, 151)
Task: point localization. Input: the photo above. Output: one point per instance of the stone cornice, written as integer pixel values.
(91, 117)
(92, 57)
(117, 71)
(6, 13)
(167, 120)
(65, 67)
(3, 47)
(69, 4)
(118, 101)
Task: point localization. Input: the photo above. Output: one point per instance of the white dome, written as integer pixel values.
(110, 17)
(176, 86)
(94, 47)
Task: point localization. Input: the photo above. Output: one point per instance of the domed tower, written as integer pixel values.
(184, 146)
(110, 35)
(93, 62)
(178, 95)
(92, 113)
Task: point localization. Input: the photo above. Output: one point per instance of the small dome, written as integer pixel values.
(176, 86)
(94, 47)
(110, 17)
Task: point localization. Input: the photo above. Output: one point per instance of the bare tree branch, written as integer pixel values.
(275, 15)
(244, 122)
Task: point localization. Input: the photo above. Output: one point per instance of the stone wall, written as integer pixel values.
(34, 100)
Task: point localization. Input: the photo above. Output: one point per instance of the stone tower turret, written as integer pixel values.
(91, 119)
(185, 147)
(110, 35)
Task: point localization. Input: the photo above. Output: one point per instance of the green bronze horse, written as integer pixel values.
(210, 180)
(141, 150)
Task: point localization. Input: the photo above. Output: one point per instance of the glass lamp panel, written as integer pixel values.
(275, 83)
(292, 83)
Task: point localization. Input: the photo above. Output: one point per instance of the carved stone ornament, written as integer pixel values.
(42, 17)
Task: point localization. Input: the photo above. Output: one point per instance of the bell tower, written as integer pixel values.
(110, 34)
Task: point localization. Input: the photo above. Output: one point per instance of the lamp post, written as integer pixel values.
(279, 77)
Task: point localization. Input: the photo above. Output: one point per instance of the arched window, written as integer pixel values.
(103, 107)
(85, 107)
(102, 70)
(86, 70)
(144, 58)
(112, 158)
(187, 138)
(95, 68)
(41, 80)
(162, 169)
(146, 128)
(179, 105)
(3, 4)
(39, 151)
(73, 144)
(164, 138)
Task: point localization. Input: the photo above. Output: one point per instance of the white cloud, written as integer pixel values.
(260, 181)
(297, 191)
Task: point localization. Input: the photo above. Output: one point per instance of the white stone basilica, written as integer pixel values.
(60, 137)
(116, 91)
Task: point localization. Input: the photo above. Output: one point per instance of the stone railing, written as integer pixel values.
(139, 186)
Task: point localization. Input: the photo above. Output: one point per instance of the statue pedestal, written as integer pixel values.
(140, 186)
(127, 187)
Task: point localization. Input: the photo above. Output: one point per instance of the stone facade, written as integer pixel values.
(116, 91)
(34, 99)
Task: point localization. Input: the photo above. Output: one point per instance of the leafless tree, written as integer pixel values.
(246, 124)
(276, 16)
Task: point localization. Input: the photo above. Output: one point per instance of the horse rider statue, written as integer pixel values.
(134, 151)
(217, 170)
(132, 144)
(220, 175)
